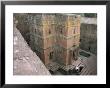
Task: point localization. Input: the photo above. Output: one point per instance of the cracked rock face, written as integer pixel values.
(26, 62)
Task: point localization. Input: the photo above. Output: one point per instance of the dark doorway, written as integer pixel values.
(70, 57)
(74, 55)
(51, 55)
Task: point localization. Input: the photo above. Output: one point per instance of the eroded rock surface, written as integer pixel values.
(26, 62)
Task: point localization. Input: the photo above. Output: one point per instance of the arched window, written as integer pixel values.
(61, 31)
(74, 30)
(49, 31)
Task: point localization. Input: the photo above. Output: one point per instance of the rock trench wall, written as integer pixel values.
(88, 37)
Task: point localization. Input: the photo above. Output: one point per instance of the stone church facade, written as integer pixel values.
(55, 37)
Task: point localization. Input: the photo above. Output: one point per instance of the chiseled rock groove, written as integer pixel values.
(26, 62)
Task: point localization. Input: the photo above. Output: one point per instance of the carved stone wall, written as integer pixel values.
(89, 38)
